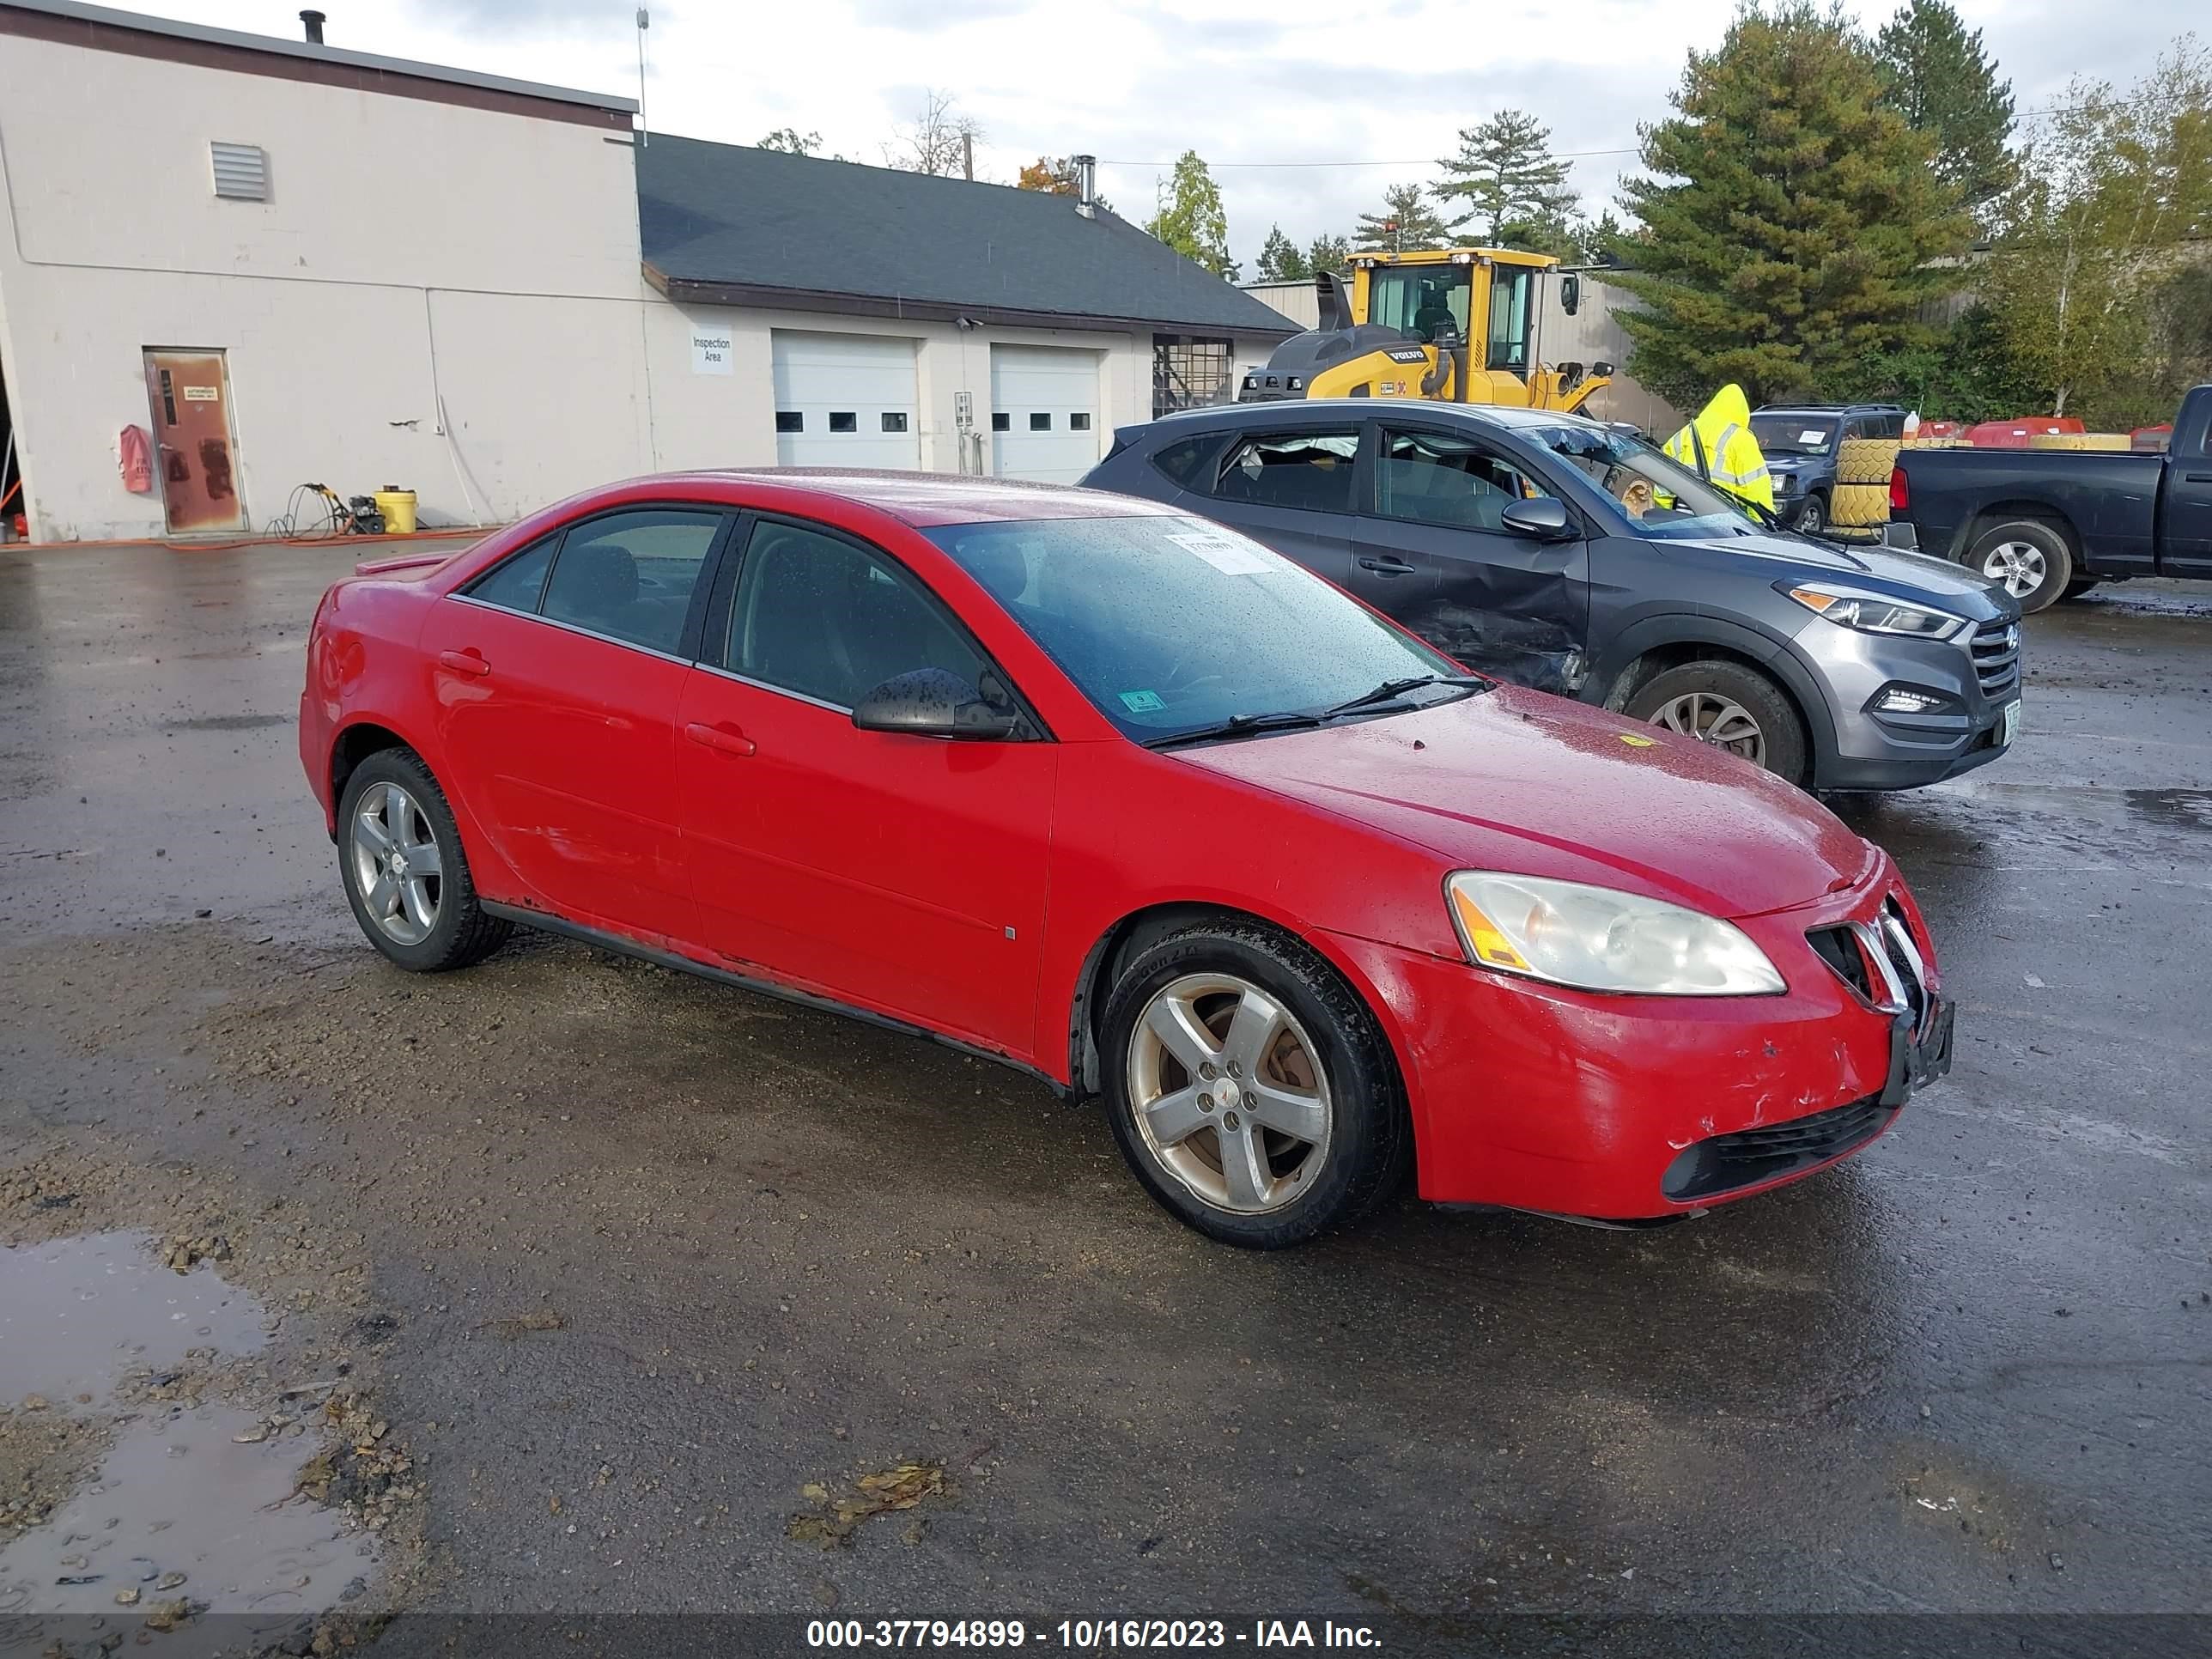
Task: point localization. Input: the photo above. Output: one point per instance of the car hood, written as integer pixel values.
(1907, 575)
(1519, 781)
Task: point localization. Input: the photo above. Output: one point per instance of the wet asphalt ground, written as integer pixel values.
(644, 1269)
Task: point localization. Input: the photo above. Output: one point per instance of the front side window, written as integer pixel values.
(1660, 497)
(1306, 470)
(822, 617)
(1432, 478)
(1511, 317)
(1422, 301)
(1134, 610)
(630, 575)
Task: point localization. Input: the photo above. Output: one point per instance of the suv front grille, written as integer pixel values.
(1724, 1164)
(1996, 650)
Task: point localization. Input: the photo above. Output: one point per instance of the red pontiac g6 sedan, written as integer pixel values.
(1125, 799)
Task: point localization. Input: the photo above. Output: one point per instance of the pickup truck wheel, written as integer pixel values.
(2028, 558)
(1729, 706)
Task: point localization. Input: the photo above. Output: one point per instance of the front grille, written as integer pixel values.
(1727, 1163)
(1904, 953)
(1996, 650)
(1880, 960)
(1839, 948)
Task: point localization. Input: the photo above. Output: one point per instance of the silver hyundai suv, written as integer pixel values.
(1557, 552)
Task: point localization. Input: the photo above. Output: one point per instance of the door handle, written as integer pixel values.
(1387, 567)
(726, 743)
(2198, 477)
(463, 662)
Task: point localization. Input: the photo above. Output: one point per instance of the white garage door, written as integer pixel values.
(1044, 412)
(845, 400)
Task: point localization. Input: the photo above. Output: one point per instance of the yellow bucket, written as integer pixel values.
(397, 506)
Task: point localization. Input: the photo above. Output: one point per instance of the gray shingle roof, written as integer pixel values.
(729, 217)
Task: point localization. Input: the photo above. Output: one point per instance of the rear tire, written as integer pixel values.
(1731, 706)
(1218, 1034)
(405, 875)
(2032, 559)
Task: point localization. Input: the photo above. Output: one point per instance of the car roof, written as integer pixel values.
(1829, 409)
(1276, 413)
(926, 498)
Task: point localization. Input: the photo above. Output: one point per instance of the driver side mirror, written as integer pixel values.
(1545, 517)
(932, 703)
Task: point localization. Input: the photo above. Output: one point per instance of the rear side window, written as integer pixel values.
(1310, 470)
(630, 575)
(1181, 461)
(515, 583)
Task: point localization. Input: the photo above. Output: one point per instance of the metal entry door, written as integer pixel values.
(195, 457)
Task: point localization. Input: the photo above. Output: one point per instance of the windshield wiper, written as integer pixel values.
(1237, 726)
(1390, 690)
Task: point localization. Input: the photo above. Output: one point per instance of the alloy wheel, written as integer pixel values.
(1711, 718)
(396, 867)
(1229, 1093)
(2019, 566)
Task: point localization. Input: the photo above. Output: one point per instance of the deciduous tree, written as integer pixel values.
(1191, 219)
(1792, 225)
(1941, 82)
(1505, 174)
(791, 141)
(938, 142)
(1056, 176)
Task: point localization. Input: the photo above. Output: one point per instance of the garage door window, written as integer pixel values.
(1040, 422)
(844, 420)
(790, 420)
(1001, 420)
(1079, 421)
(1308, 469)
(894, 421)
(817, 615)
(630, 575)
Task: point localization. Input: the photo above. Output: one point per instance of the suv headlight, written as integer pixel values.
(1597, 939)
(1875, 613)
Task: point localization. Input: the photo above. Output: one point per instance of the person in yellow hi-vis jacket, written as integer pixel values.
(1732, 457)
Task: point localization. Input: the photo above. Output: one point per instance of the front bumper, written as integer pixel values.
(1879, 749)
(1628, 1109)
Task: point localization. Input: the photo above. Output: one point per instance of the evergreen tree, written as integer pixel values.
(1280, 261)
(1331, 253)
(1794, 226)
(1191, 221)
(1942, 83)
(1506, 174)
(1407, 221)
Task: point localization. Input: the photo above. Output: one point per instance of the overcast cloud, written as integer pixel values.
(1385, 84)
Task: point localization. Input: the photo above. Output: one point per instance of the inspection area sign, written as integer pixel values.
(710, 354)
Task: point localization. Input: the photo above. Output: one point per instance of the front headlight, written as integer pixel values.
(1596, 939)
(1875, 613)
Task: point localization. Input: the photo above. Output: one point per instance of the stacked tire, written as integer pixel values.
(1862, 470)
(2081, 440)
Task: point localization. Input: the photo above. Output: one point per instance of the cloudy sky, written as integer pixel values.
(1374, 90)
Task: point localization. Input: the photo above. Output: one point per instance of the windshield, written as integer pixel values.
(1663, 499)
(1421, 301)
(1171, 625)
(1795, 435)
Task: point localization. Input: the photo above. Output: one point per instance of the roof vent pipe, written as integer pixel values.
(1086, 185)
(315, 21)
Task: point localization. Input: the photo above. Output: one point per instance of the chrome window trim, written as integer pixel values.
(570, 628)
(720, 673)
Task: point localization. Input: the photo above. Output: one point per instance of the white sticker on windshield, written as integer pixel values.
(1815, 439)
(1230, 558)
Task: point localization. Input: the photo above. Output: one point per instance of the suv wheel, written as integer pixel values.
(1813, 518)
(1731, 706)
(2029, 558)
(1250, 1090)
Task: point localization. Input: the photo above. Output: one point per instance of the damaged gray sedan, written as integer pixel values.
(1554, 551)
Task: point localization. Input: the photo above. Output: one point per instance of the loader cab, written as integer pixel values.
(1482, 301)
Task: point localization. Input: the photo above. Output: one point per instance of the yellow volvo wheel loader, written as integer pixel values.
(1458, 325)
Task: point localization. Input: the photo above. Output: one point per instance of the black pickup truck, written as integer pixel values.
(2052, 523)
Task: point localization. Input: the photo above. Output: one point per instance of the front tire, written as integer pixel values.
(1812, 517)
(405, 875)
(2030, 558)
(1250, 1090)
(1731, 706)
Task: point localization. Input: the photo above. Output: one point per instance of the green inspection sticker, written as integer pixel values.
(1142, 702)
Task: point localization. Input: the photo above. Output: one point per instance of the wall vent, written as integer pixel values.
(242, 172)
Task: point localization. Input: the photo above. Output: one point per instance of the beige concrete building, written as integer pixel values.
(246, 263)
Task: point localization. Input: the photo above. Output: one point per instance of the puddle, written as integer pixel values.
(199, 1503)
(178, 1493)
(77, 1313)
